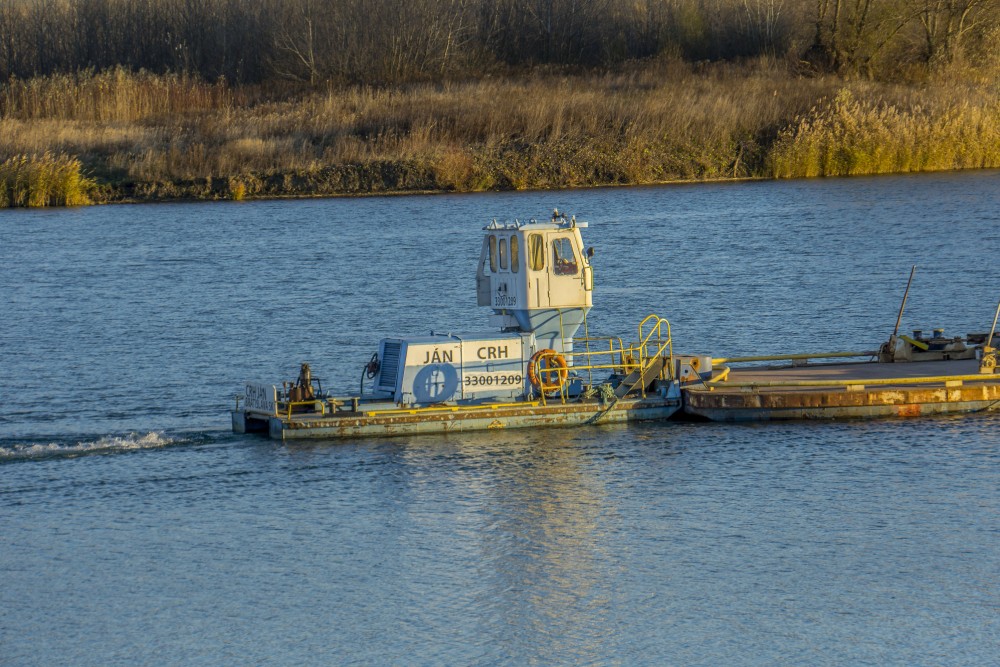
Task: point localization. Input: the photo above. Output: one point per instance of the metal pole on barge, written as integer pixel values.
(903, 305)
(888, 351)
(994, 327)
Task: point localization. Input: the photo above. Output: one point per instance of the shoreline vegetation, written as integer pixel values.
(118, 136)
(795, 97)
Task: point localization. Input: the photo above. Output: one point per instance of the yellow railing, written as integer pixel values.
(589, 354)
(617, 357)
(450, 408)
(662, 343)
(793, 357)
(856, 383)
(287, 407)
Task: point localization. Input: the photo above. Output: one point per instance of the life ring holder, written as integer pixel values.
(543, 365)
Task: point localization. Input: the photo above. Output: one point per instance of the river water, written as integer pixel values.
(136, 529)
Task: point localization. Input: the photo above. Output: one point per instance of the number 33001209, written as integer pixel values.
(493, 380)
(504, 301)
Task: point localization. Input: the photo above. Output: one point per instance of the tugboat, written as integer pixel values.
(537, 281)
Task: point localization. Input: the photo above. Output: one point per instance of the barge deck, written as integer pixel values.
(844, 391)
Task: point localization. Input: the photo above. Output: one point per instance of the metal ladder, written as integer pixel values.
(650, 365)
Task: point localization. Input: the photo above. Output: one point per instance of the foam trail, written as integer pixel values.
(108, 443)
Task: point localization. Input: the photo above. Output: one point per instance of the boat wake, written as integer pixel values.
(110, 443)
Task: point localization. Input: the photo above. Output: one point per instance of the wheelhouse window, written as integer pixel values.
(563, 257)
(493, 253)
(503, 253)
(514, 258)
(536, 252)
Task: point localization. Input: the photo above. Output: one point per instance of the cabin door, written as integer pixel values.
(502, 268)
(538, 276)
(566, 285)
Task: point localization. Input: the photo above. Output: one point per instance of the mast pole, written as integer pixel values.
(903, 305)
(887, 353)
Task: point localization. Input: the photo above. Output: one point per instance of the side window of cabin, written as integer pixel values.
(493, 253)
(503, 253)
(536, 252)
(563, 258)
(514, 258)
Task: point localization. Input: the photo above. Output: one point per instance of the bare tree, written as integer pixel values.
(851, 34)
(946, 23)
(295, 42)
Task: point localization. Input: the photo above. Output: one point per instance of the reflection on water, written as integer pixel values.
(544, 556)
(525, 511)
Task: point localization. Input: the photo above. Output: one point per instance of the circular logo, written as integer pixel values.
(434, 384)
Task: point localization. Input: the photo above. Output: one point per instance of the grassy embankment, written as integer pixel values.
(114, 136)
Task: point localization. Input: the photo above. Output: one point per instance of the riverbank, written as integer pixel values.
(119, 136)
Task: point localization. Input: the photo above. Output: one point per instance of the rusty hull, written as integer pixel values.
(447, 421)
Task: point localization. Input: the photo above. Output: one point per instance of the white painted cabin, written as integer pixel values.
(536, 277)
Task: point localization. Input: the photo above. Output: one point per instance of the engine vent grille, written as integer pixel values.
(389, 372)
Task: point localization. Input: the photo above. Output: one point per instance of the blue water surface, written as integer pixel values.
(135, 529)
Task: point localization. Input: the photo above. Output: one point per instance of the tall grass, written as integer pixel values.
(653, 124)
(114, 95)
(43, 180)
(850, 136)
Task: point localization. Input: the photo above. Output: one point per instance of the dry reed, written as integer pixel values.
(112, 95)
(849, 137)
(43, 180)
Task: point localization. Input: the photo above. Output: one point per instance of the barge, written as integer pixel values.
(845, 391)
(907, 377)
(535, 368)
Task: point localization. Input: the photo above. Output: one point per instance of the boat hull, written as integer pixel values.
(847, 405)
(456, 419)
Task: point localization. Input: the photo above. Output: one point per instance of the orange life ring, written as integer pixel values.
(546, 365)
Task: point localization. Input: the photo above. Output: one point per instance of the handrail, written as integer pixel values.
(859, 382)
(630, 357)
(450, 408)
(656, 329)
(287, 407)
(662, 343)
(793, 357)
(636, 356)
(589, 354)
